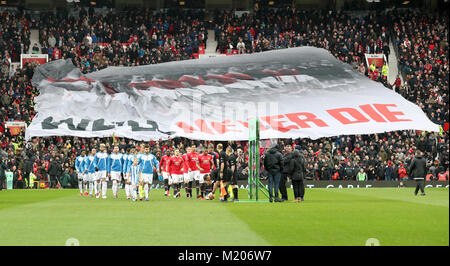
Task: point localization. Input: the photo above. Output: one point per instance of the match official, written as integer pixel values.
(417, 170)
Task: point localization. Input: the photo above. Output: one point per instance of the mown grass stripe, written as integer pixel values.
(162, 221)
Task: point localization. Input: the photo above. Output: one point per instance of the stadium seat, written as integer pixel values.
(201, 49)
(43, 184)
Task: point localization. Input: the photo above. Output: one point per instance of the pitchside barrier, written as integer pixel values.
(327, 184)
(340, 184)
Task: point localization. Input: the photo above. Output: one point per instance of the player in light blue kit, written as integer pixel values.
(100, 163)
(133, 154)
(138, 152)
(148, 163)
(89, 170)
(115, 168)
(126, 157)
(134, 177)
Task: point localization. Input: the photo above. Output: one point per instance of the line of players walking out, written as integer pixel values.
(207, 171)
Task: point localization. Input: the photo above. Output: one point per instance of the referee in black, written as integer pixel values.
(223, 173)
(232, 162)
(417, 170)
(226, 169)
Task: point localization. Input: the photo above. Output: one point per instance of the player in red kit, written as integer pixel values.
(187, 173)
(205, 164)
(195, 172)
(165, 173)
(176, 166)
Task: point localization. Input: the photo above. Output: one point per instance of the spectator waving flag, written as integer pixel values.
(298, 92)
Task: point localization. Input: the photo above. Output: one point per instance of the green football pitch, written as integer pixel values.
(393, 216)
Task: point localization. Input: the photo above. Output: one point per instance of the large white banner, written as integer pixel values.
(298, 92)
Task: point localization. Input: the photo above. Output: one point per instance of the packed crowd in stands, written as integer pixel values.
(95, 41)
(132, 38)
(346, 37)
(14, 37)
(423, 58)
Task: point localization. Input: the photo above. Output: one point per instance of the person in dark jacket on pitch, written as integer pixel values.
(297, 170)
(273, 163)
(55, 171)
(418, 170)
(285, 173)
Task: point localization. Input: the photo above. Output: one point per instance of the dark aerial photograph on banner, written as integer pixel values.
(218, 131)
